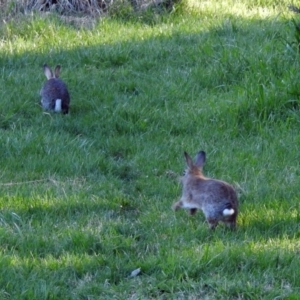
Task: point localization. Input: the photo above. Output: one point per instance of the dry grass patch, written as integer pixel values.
(78, 7)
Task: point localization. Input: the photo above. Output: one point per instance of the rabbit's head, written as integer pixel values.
(194, 168)
(48, 72)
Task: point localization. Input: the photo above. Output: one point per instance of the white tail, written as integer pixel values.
(57, 105)
(228, 212)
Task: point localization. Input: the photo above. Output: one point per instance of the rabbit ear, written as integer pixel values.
(57, 71)
(188, 159)
(200, 159)
(47, 71)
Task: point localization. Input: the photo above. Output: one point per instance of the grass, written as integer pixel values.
(86, 198)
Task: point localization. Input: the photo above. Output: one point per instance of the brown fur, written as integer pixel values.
(217, 199)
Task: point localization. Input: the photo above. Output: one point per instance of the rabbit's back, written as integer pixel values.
(212, 191)
(214, 197)
(52, 90)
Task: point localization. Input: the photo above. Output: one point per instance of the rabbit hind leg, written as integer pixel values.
(193, 211)
(212, 223)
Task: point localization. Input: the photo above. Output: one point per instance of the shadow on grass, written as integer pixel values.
(104, 77)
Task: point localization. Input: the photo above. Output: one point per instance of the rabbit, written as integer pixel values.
(54, 93)
(217, 199)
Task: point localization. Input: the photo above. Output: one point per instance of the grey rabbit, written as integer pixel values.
(54, 93)
(217, 199)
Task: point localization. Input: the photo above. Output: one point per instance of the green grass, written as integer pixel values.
(86, 198)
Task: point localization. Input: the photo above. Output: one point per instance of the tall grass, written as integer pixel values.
(86, 198)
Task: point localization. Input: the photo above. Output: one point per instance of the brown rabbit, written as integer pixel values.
(217, 199)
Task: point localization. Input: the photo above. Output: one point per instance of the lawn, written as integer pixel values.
(85, 198)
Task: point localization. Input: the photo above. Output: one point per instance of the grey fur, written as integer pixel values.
(54, 89)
